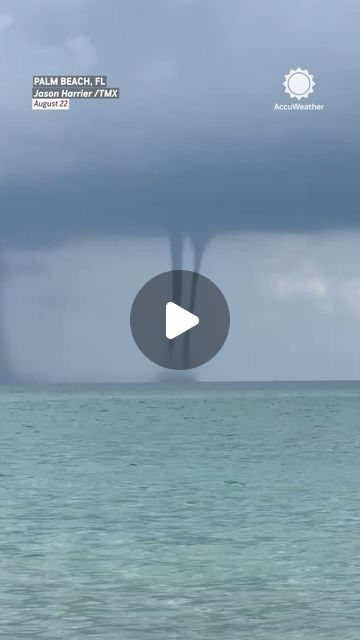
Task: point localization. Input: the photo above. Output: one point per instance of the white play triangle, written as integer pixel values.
(178, 320)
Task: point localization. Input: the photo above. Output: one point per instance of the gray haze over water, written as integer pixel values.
(193, 149)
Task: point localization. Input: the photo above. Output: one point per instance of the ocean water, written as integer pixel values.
(203, 512)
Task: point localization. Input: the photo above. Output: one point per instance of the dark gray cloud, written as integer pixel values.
(193, 146)
(292, 190)
(193, 143)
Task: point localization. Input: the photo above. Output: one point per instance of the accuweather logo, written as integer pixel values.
(299, 84)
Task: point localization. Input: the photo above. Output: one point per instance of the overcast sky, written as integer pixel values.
(90, 195)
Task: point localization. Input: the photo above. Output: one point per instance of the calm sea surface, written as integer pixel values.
(209, 512)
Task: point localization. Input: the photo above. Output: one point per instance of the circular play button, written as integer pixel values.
(180, 319)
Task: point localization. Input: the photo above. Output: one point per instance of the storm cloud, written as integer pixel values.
(193, 147)
(193, 142)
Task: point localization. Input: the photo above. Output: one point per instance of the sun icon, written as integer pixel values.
(299, 83)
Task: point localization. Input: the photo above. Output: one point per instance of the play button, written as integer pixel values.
(180, 319)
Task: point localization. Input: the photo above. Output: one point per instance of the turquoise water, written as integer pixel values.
(135, 513)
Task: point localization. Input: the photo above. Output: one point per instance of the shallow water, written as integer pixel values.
(137, 512)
